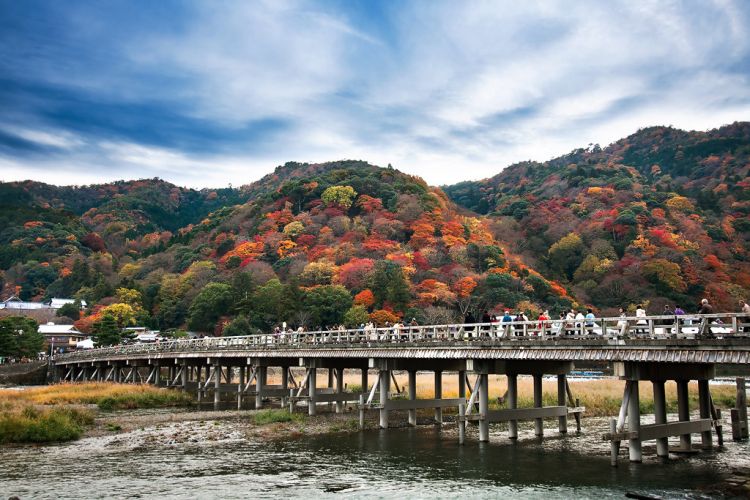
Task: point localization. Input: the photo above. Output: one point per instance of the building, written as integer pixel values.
(16, 303)
(56, 303)
(61, 338)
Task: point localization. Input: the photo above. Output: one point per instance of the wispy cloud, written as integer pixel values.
(209, 93)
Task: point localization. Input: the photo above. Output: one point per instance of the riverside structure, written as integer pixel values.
(654, 349)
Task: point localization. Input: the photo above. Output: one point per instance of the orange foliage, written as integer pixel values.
(453, 233)
(285, 247)
(245, 250)
(558, 289)
(381, 317)
(464, 286)
(365, 298)
(424, 233)
(431, 291)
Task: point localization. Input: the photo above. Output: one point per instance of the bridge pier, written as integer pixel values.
(438, 395)
(512, 404)
(562, 420)
(217, 385)
(538, 422)
(261, 379)
(512, 413)
(284, 385)
(661, 430)
(660, 416)
(484, 423)
(412, 396)
(339, 389)
(683, 413)
(384, 377)
(312, 394)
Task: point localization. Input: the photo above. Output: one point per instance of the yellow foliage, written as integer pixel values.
(124, 314)
(680, 204)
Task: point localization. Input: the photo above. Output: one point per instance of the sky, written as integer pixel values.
(212, 93)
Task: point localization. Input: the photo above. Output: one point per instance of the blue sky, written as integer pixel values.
(209, 93)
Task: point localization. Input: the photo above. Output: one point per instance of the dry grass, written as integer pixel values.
(600, 397)
(107, 396)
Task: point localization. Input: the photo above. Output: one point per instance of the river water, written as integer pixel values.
(398, 463)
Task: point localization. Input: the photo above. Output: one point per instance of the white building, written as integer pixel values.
(20, 305)
(61, 337)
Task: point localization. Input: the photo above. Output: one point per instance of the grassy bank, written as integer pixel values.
(107, 396)
(29, 424)
(48, 414)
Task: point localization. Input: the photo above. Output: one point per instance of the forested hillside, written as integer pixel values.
(659, 216)
(315, 245)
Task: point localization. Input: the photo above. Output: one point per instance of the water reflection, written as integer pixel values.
(414, 463)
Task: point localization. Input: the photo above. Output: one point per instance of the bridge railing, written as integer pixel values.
(690, 326)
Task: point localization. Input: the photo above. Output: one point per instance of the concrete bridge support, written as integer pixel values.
(562, 420)
(438, 395)
(661, 430)
(512, 413)
(384, 379)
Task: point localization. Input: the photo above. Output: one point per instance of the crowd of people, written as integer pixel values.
(570, 322)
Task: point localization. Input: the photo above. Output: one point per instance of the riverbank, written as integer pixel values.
(70, 411)
(32, 373)
(65, 412)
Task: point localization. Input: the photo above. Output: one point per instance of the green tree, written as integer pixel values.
(271, 305)
(106, 332)
(327, 304)
(566, 255)
(355, 316)
(70, 310)
(389, 286)
(242, 292)
(19, 337)
(239, 326)
(665, 275)
(212, 302)
(339, 195)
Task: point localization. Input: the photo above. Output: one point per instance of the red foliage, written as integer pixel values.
(713, 262)
(368, 204)
(354, 274)
(375, 243)
(420, 262)
(305, 240)
(334, 211)
(94, 242)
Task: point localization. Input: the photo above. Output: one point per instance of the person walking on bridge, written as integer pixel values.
(744, 309)
(543, 318)
(706, 308)
(507, 328)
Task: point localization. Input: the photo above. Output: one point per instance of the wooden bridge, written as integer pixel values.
(654, 349)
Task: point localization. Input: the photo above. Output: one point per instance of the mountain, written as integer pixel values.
(658, 217)
(311, 244)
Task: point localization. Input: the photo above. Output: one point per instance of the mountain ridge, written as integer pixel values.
(658, 217)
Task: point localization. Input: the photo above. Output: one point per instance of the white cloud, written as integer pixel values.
(58, 139)
(449, 90)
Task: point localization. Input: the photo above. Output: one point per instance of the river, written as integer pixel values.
(398, 463)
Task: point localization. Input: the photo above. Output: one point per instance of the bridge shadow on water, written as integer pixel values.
(427, 458)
